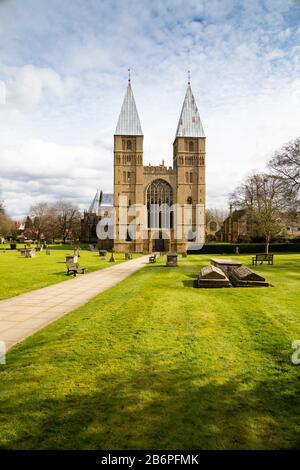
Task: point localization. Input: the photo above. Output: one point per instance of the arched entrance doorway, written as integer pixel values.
(160, 218)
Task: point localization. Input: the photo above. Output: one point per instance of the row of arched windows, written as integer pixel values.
(128, 159)
(194, 160)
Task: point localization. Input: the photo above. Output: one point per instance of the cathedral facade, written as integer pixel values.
(147, 186)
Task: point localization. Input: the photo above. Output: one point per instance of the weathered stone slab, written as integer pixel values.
(243, 276)
(225, 264)
(212, 272)
(211, 276)
(246, 274)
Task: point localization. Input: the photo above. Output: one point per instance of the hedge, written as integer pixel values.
(218, 248)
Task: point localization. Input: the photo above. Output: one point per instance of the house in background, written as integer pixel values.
(236, 228)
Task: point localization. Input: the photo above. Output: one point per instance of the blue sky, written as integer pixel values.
(64, 72)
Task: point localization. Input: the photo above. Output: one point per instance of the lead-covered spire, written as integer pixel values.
(129, 121)
(189, 124)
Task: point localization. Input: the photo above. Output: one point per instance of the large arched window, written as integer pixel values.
(159, 193)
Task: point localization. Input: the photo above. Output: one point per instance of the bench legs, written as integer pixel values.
(75, 272)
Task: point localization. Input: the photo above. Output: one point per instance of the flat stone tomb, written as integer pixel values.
(226, 265)
(245, 277)
(211, 276)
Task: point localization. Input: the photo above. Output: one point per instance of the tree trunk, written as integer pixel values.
(267, 244)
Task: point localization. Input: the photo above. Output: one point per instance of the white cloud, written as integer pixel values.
(45, 171)
(67, 78)
(27, 85)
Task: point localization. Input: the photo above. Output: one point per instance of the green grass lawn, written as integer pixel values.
(19, 274)
(154, 363)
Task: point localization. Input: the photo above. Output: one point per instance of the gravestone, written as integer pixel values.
(243, 276)
(30, 253)
(112, 258)
(71, 258)
(211, 276)
(172, 260)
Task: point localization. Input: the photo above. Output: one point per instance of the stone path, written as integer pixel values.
(23, 315)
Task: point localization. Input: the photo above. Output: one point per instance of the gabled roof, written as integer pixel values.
(189, 124)
(129, 121)
(96, 203)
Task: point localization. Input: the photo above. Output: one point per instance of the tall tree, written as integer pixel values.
(216, 214)
(67, 217)
(7, 225)
(285, 165)
(261, 195)
(39, 214)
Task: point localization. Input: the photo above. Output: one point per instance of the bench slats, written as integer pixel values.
(75, 268)
(261, 257)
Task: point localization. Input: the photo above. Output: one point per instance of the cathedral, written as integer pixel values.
(145, 185)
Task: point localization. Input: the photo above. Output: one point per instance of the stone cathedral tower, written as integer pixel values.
(134, 183)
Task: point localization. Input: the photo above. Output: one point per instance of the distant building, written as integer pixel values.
(212, 229)
(293, 226)
(99, 208)
(20, 230)
(236, 228)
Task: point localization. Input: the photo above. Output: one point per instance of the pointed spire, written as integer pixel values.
(129, 121)
(189, 124)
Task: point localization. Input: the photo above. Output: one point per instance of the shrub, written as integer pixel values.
(230, 248)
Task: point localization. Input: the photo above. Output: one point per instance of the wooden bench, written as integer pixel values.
(74, 268)
(261, 257)
(152, 259)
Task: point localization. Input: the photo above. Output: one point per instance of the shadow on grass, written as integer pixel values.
(151, 407)
(189, 283)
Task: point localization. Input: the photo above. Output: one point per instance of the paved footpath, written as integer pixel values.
(23, 315)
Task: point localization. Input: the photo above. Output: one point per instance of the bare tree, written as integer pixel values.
(216, 214)
(39, 214)
(52, 227)
(7, 226)
(261, 196)
(67, 219)
(214, 221)
(285, 165)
